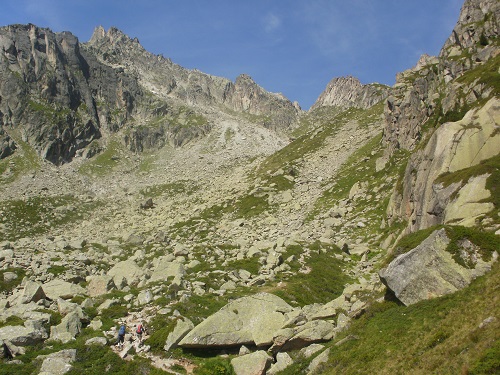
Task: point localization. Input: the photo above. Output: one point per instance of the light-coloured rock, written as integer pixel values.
(144, 297)
(69, 327)
(315, 365)
(128, 270)
(183, 326)
(252, 364)
(58, 363)
(100, 341)
(56, 288)
(411, 279)
(469, 204)
(32, 292)
(99, 285)
(29, 334)
(311, 332)
(283, 360)
(310, 350)
(249, 320)
(167, 270)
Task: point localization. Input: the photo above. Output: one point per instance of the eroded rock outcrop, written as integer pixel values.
(429, 270)
(346, 92)
(454, 146)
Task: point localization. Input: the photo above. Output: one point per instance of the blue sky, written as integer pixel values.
(291, 46)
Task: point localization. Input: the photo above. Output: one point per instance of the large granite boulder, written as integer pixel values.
(69, 327)
(55, 289)
(128, 270)
(430, 271)
(167, 269)
(252, 364)
(251, 320)
(31, 333)
(58, 363)
(181, 329)
(99, 285)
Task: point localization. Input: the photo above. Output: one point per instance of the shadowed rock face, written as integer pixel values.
(61, 95)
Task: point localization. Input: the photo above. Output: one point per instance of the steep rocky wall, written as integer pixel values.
(428, 90)
(44, 93)
(421, 105)
(454, 146)
(168, 80)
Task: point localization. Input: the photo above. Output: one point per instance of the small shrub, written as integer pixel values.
(215, 366)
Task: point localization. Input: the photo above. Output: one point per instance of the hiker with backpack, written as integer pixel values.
(139, 331)
(121, 336)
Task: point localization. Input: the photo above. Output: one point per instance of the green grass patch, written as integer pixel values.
(215, 366)
(323, 282)
(7, 286)
(105, 162)
(158, 329)
(12, 321)
(486, 242)
(251, 265)
(434, 336)
(37, 215)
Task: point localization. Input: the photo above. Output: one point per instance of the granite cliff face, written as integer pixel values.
(59, 95)
(422, 110)
(346, 92)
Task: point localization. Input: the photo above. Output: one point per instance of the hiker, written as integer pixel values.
(121, 336)
(139, 331)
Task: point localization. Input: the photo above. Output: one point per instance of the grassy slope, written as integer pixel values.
(439, 336)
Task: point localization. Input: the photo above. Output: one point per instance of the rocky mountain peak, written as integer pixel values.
(345, 92)
(474, 32)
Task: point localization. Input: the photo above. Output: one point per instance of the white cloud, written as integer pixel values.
(271, 22)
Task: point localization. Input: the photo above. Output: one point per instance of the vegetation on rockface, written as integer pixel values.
(490, 167)
(449, 334)
(486, 243)
(38, 214)
(25, 159)
(105, 162)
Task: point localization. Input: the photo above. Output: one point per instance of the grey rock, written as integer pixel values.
(315, 365)
(100, 341)
(283, 360)
(32, 292)
(58, 363)
(252, 364)
(412, 280)
(99, 285)
(346, 92)
(56, 288)
(30, 334)
(182, 328)
(249, 320)
(67, 330)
